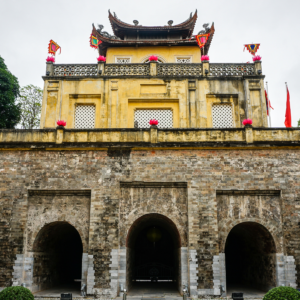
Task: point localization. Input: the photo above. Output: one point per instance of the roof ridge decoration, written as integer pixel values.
(170, 35)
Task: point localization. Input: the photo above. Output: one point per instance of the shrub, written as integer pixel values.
(282, 292)
(16, 293)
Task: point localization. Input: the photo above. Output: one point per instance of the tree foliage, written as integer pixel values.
(31, 102)
(16, 293)
(10, 111)
(282, 293)
(298, 123)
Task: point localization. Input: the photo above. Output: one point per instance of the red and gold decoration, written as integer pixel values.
(53, 47)
(202, 39)
(94, 42)
(252, 48)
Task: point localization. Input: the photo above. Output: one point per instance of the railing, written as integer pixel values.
(179, 69)
(162, 70)
(126, 69)
(223, 70)
(75, 70)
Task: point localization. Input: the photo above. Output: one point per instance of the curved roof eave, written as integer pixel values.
(189, 24)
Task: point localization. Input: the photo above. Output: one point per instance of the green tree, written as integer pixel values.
(298, 123)
(31, 102)
(10, 111)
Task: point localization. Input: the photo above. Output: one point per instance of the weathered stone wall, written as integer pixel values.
(137, 201)
(6, 248)
(45, 207)
(205, 172)
(263, 207)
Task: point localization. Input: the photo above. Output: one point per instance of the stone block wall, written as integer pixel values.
(204, 171)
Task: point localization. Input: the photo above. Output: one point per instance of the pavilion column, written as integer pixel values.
(192, 102)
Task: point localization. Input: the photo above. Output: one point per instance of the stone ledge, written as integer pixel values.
(143, 184)
(143, 138)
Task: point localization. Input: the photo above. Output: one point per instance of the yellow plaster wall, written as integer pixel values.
(168, 54)
(116, 98)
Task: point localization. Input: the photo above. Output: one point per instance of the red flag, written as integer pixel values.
(288, 115)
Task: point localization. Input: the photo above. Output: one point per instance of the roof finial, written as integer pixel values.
(170, 22)
(136, 22)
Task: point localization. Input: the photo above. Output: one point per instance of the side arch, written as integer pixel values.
(56, 228)
(57, 253)
(274, 231)
(43, 226)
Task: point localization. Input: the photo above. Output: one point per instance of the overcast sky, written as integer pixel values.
(26, 26)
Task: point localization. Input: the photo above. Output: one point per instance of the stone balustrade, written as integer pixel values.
(154, 137)
(195, 70)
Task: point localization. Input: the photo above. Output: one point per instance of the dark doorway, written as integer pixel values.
(250, 259)
(153, 250)
(57, 257)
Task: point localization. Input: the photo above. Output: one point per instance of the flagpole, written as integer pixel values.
(268, 103)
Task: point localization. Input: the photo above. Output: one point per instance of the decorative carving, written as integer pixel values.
(136, 22)
(223, 70)
(186, 60)
(100, 27)
(124, 69)
(75, 70)
(105, 33)
(123, 60)
(179, 69)
(206, 29)
(170, 23)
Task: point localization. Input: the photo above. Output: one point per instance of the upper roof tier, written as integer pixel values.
(126, 31)
(127, 35)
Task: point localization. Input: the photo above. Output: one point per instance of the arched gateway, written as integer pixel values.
(153, 254)
(57, 253)
(250, 254)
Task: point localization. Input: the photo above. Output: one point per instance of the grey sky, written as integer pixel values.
(26, 26)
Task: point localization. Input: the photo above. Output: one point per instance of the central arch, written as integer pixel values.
(57, 252)
(153, 254)
(250, 253)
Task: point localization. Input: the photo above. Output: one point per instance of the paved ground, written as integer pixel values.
(154, 289)
(147, 291)
(249, 292)
(57, 291)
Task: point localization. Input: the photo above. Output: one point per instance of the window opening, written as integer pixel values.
(85, 116)
(222, 116)
(183, 60)
(143, 116)
(123, 60)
